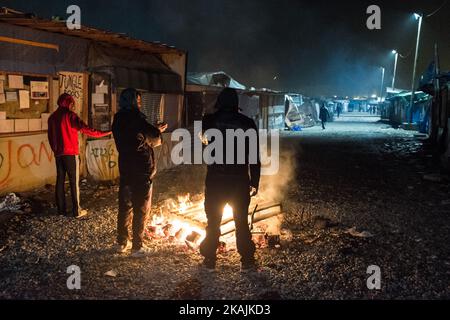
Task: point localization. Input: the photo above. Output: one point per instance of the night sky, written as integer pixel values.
(312, 47)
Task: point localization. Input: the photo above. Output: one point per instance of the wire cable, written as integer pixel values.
(437, 10)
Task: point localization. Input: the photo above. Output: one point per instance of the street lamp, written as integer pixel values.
(382, 83)
(395, 68)
(418, 17)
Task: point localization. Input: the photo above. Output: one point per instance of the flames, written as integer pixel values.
(179, 230)
(183, 221)
(227, 212)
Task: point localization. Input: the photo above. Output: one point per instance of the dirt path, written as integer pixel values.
(367, 176)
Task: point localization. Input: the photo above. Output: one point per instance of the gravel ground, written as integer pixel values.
(363, 175)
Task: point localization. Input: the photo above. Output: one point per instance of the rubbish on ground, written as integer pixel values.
(111, 273)
(10, 203)
(363, 234)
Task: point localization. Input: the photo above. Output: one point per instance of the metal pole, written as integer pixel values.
(382, 83)
(414, 70)
(434, 125)
(395, 70)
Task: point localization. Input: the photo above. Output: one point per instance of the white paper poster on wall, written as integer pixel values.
(11, 96)
(15, 82)
(24, 99)
(98, 98)
(101, 89)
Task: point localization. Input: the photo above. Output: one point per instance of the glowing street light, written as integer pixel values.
(382, 82)
(418, 17)
(395, 68)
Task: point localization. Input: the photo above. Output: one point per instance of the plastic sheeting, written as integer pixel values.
(215, 79)
(304, 115)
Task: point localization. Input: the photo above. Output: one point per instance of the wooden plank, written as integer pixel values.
(259, 219)
(30, 43)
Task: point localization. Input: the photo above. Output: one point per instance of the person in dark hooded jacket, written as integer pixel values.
(63, 127)
(135, 139)
(324, 115)
(232, 183)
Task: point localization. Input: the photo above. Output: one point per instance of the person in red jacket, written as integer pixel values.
(63, 127)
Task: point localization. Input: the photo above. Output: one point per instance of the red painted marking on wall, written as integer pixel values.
(5, 181)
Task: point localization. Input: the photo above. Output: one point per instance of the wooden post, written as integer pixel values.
(84, 117)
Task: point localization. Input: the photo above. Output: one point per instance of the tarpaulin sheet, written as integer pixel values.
(216, 79)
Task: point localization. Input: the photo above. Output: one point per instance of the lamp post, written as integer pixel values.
(418, 17)
(395, 68)
(382, 83)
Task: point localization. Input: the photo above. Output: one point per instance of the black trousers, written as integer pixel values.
(218, 192)
(323, 124)
(67, 165)
(135, 201)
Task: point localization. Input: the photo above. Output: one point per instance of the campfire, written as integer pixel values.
(183, 222)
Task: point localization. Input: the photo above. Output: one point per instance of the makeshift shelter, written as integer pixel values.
(202, 89)
(266, 107)
(40, 59)
(400, 111)
(301, 113)
(438, 87)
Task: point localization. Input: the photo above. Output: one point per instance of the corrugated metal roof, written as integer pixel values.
(15, 17)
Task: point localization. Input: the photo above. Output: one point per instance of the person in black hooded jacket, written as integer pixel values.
(232, 183)
(135, 139)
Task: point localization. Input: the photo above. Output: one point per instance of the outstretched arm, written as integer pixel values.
(152, 134)
(79, 124)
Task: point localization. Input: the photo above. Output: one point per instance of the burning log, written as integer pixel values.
(185, 221)
(179, 234)
(262, 209)
(193, 237)
(263, 212)
(167, 229)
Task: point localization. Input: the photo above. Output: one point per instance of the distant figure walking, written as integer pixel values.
(339, 109)
(323, 115)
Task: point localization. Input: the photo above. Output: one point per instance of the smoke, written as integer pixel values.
(275, 187)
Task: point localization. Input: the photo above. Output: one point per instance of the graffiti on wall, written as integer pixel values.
(102, 158)
(25, 162)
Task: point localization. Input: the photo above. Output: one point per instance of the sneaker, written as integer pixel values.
(208, 265)
(122, 248)
(81, 213)
(141, 253)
